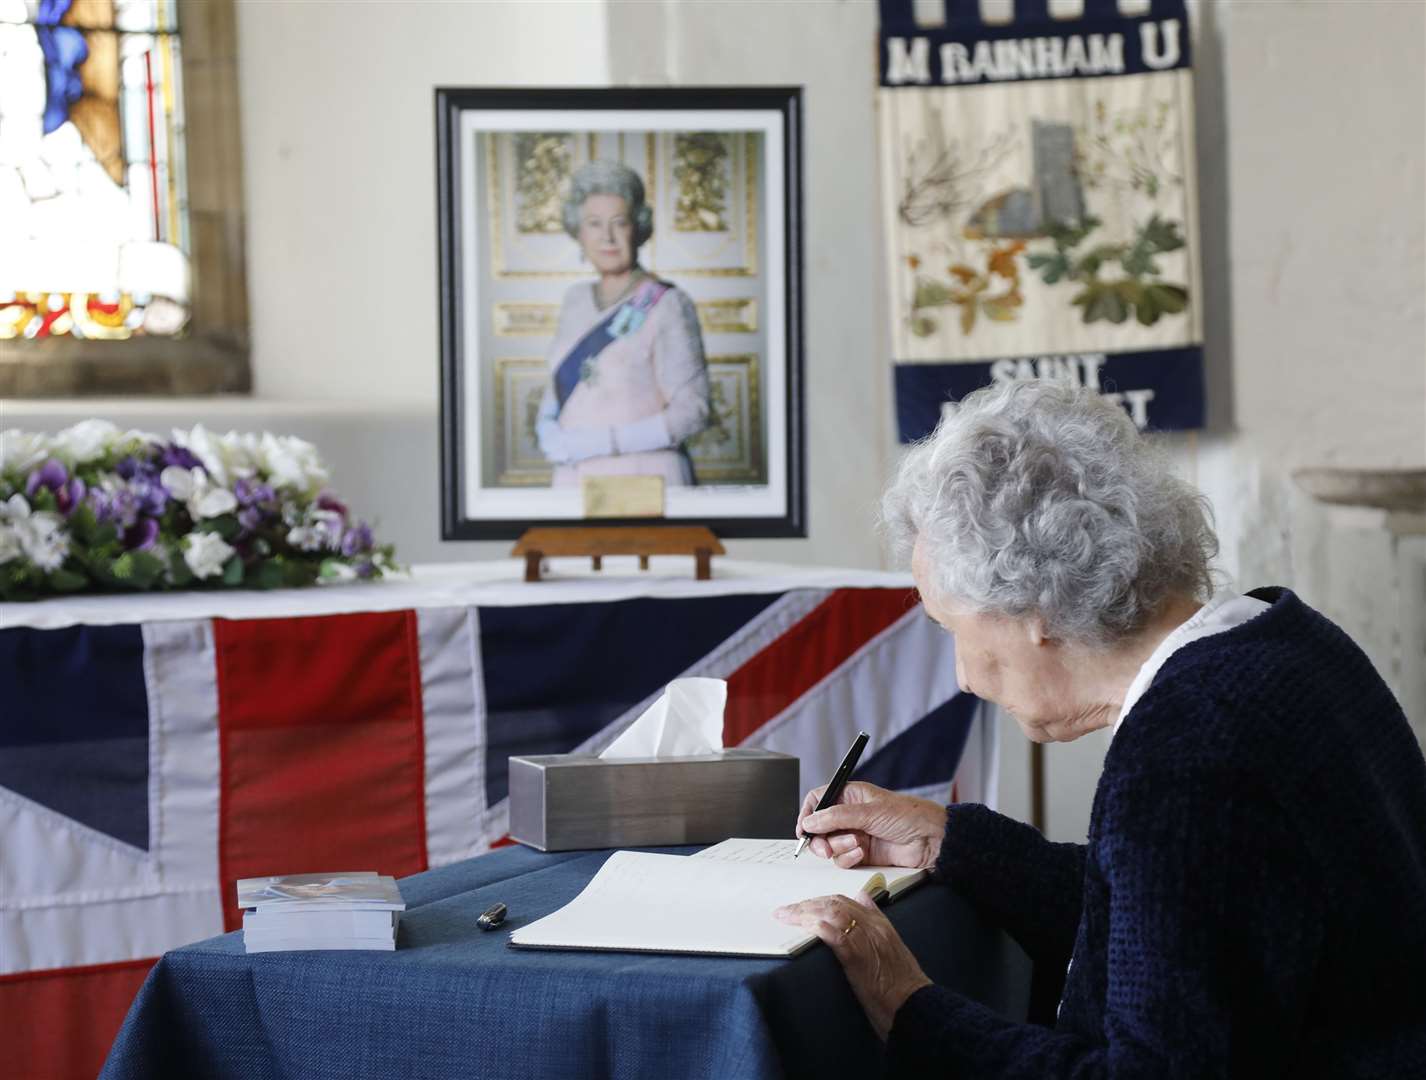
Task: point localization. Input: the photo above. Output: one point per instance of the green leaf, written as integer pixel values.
(923, 326)
(146, 569)
(1088, 266)
(1139, 261)
(298, 574)
(264, 575)
(1051, 267)
(43, 499)
(1169, 298)
(1102, 302)
(930, 294)
(225, 525)
(178, 571)
(1161, 235)
(1069, 236)
(83, 524)
(63, 580)
(233, 571)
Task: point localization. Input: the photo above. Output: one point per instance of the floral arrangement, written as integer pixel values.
(98, 509)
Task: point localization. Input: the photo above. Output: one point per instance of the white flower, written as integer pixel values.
(40, 536)
(179, 482)
(305, 538)
(224, 457)
(205, 553)
(86, 440)
(292, 463)
(214, 502)
(10, 546)
(193, 488)
(21, 451)
(15, 508)
(138, 436)
(45, 542)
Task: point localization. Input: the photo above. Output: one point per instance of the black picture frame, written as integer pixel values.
(474, 127)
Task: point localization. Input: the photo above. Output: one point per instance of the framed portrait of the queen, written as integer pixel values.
(620, 276)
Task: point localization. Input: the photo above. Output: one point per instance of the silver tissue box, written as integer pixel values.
(565, 802)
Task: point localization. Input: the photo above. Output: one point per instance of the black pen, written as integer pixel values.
(839, 781)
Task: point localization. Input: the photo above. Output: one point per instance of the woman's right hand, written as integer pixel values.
(874, 826)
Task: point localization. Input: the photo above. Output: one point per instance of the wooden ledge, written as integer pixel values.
(596, 541)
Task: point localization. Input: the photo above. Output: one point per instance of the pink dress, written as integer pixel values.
(649, 388)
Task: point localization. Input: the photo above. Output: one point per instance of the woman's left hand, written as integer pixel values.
(880, 967)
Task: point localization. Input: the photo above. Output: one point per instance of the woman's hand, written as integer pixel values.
(874, 826)
(880, 967)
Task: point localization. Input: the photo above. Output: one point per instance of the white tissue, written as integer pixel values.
(686, 720)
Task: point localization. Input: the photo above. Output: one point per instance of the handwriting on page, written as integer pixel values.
(754, 851)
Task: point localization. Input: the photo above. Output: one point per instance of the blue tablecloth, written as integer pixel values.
(454, 1001)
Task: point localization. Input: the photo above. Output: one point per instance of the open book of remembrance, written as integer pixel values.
(717, 901)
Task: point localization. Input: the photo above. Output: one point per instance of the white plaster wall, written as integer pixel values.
(338, 114)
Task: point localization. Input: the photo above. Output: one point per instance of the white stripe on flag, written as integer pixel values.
(887, 685)
(180, 675)
(453, 707)
(74, 896)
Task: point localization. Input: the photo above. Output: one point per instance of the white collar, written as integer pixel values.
(1224, 611)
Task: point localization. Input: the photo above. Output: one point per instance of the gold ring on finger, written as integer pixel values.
(849, 927)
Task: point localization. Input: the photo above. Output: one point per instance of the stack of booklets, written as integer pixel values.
(719, 901)
(351, 910)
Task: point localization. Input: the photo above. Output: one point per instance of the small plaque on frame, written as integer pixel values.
(622, 496)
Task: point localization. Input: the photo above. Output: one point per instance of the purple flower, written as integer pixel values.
(365, 569)
(328, 501)
(356, 540)
(250, 492)
(150, 495)
(180, 456)
(250, 518)
(142, 535)
(115, 506)
(52, 475)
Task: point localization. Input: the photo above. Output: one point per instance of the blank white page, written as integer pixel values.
(674, 903)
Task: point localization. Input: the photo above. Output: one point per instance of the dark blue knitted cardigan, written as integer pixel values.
(1252, 898)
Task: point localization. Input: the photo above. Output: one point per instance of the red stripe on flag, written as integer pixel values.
(322, 749)
(58, 1024)
(810, 651)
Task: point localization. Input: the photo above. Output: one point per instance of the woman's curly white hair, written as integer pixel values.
(1041, 498)
(602, 177)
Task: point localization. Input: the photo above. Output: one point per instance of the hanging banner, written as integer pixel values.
(1041, 206)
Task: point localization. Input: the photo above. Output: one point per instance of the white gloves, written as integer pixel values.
(638, 436)
(567, 446)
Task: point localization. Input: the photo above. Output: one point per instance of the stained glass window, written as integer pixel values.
(93, 206)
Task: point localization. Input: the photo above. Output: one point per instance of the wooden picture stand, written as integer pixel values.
(596, 541)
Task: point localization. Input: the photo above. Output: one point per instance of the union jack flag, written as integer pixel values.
(145, 767)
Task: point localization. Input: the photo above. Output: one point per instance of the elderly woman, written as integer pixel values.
(628, 383)
(1252, 898)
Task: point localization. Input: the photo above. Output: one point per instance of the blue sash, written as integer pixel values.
(622, 321)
